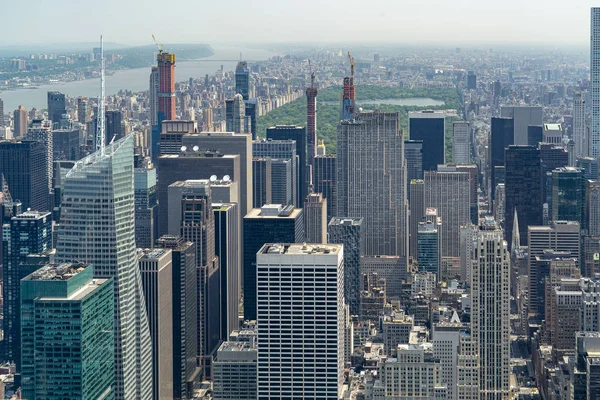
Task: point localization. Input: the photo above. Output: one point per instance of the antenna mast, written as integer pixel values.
(100, 132)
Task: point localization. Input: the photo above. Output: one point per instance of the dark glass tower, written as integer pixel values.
(428, 126)
(283, 150)
(503, 131)
(413, 154)
(242, 79)
(523, 189)
(324, 181)
(568, 194)
(535, 135)
(56, 106)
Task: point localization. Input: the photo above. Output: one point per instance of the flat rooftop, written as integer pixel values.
(270, 212)
(345, 221)
(300, 249)
(56, 272)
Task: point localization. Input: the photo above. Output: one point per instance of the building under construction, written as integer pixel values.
(349, 93)
(311, 118)
(166, 86)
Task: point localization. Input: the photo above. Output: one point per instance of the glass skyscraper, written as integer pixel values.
(98, 227)
(595, 80)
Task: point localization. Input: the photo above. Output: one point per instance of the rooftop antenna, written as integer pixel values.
(100, 132)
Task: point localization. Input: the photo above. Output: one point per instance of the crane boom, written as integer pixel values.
(312, 76)
(351, 64)
(159, 45)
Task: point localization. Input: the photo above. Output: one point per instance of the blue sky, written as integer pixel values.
(306, 21)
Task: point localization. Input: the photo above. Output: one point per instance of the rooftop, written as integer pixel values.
(274, 211)
(345, 221)
(300, 249)
(56, 272)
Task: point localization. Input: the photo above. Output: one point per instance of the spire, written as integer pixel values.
(100, 132)
(516, 237)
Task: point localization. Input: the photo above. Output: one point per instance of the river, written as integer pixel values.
(131, 79)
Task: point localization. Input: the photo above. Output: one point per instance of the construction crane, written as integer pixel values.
(312, 76)
(159, 45)
(351, 64)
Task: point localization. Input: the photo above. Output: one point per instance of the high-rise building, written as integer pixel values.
(594, 140)
(553, 133)
(350, 233)
(490, 310)
(413, 154)
(235, 114)
(568, 194)
(589, 166)
(56, 106)
(552, 156)
(317, 373)
(191, 165)
(523, 117)
(67, 314)
(315, 218)
(23, 234)
(21, 122)
(502, 136)
(191, 216)
(391, 269)
(324, 181)
(523, 188)
(269, 224)
(2, 120)
(99, 193)
(297, 133)
(429, 126)
(185, 318)
(153, 96)
(40, 131)
(113, 124)
(262, 175)
(372, 180)
(228, 245)
(82, 110)
(449, 193)
(473, 172)
(24, 166)
(592, 208)
(348, 97)
(416, 203)
(171, 134)
(579, 125)
(156, 267)
(535, 135)
(166, 86)
(284, 150)
(65, 144)
(234, 370)
(461, 142)
(242, 80)
(446, 345)
(428, 247)
(311, 120)
(146, 206)
(471, 81)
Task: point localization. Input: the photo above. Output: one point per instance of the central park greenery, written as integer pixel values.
(328, 115)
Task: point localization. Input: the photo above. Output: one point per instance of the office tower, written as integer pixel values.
(251, 112)
(535, 135)
(284, 150)
(191, 216)
(235, 114)
(392, 269)
(171, 136)
(502, 136)
(349, 232)
(23, 234)
(282, 188)
(461, 142)
(372, 297)
(229, 143)
(8, 209)
(67, 315)
(82, 110)
(591, 261)
(553, 133)
(242, 80)
(449, 193)
(471, 169)
(56, 106)
(579, 125)
(413, 373)
(324, 181)
(166, 86)
(114, 129)
(568, 194)
(523, 117)
(500, 203)
(311, 119)
(471, 81)
(191, 165)
(396, 330)
(228, 246)
(269, 224)
(589, 166)
(372, 180)
(146, 206)
(585, 371)
(561, 236)
(594, 139)
(416, 203)
(413, 154)
(428, 247)
(552, 157)
(490, 308)
(234, 371)
(98, 192)
(592, 208)
(286, 305)
(429, 126)
(153, 96)
(185, 371)
(315, 218)
(156, 269)
(21, 122)
(23, 164)
(65, 144)
(40, 131)
(523, 188)
(2, 121)
(569, 297)
(297, 133)
(349, 95)
(261, 181)
(446, 345)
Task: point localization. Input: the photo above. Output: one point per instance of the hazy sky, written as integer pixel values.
(314, 21)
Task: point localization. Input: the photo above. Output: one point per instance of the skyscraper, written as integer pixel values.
(242, 80)
(114, 129)
(372, 180)
(40, 131)
(66, 311)
(535, 135)
(153, 96)
(82, 110)
(523, 189)
(413, 154)
(594, 140)
(261, 181)
(24, 234)
(315, 218)
(21, 122)
(428, 247)
(324, 181)
(269, 224)
(235, 114)
(429, 126)
(56, 106)
(2, 122)
(281, 149)
(523, 117)
(349, 95)
(490, 311)
(166, 86)
(461, 146)
(502, 136)
(316, 373)
(416, 203)
(156, 271)
(568, 194)
(579, 128)
(97, 227)
(471, 80)
(311, 119)
(146, 206)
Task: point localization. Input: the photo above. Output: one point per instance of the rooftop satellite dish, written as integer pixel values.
(226, 178)
(183, 148)
(196, 148)
(213, 178)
